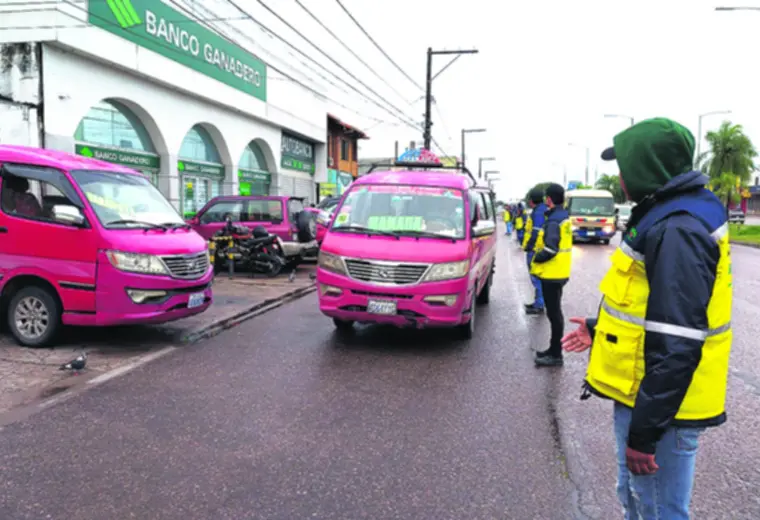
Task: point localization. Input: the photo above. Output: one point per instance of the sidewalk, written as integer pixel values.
(28, 375)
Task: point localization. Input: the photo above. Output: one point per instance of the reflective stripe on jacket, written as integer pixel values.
(534, 229)
(663, 334)
(554, 260)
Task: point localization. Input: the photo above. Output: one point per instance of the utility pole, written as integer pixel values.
(427, 134)
(466, 131)
(480, 164)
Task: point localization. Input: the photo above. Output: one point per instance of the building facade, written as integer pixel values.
(342, 157)
(152, 88)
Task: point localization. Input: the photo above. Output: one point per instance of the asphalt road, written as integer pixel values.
(280, 418)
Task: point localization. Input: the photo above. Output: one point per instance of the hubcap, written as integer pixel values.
(31, 317)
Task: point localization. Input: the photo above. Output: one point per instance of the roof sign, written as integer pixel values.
(422, 155)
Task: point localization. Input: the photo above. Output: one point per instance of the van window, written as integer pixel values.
(219, 211)
(488, 205)
(264, 210)
(30, 198)
(123, 200)
(400, 209)
(295, 206)
(591, 206)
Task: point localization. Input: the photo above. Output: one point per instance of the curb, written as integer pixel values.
(753, 246)
(249, 313)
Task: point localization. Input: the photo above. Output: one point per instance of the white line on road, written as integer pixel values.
(116, 372)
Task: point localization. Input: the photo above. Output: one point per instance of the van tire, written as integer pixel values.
(485, 293)
(307, 226)
(50, 311)
(467, 330)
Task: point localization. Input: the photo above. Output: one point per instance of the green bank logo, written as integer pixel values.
(124, 12)
(86, 152)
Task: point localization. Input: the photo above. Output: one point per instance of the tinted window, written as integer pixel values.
(218, 212)
(265, 210)
(26, 197)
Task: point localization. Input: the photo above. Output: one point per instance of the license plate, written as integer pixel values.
(385, 307)
(196, 300)
(591, 233)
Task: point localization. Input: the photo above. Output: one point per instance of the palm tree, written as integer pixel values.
(611, 183)
(730, 161)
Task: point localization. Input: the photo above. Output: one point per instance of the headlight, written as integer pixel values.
(447, 271)
(331, 262)
(136, 263)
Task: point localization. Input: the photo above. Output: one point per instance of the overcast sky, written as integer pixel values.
(547, 73)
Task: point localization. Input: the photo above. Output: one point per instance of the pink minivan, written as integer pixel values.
(85, 242)
(409, 248)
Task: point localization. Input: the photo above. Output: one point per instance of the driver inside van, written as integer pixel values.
(16, 198)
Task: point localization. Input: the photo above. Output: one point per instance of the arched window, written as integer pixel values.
(111, 124)
(198, 146)
(253, 174)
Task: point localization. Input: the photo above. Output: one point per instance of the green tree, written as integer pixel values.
(611, 183)
(729, 162)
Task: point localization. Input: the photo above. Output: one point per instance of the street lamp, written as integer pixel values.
(495, 173)
(466, 131)
(620, 116)
(699, 127)
(724, 8)
(588, 154)
(480, 165)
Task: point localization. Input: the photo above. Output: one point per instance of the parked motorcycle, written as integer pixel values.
(255, 250)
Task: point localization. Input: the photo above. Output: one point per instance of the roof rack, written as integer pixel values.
(415, 165)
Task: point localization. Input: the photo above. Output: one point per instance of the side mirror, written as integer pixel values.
(194, 221)
(483, 228)
(66, 214)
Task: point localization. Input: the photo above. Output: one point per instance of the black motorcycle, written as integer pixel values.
(254, 250)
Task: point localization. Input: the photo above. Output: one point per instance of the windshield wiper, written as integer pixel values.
(368, 231)
(425, 234)
(147, 225)
(176, 225)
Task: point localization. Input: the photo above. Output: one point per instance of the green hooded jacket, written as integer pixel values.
(652, 152)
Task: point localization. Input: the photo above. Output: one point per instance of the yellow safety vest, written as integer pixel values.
(539, 245)
(558, 268)
(506, 216)
(519, 222)
(616, 366)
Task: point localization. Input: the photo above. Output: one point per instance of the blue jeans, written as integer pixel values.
(520, 235)
(666, 494)
(509, 228)
(539, 294)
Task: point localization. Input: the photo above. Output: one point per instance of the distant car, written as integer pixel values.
(736, 216)
(623, 215)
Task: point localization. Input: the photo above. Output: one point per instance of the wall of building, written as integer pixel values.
(19, 95)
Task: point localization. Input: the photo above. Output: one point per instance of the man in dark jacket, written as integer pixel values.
(534, 241)
(660, 343)
(551, 265)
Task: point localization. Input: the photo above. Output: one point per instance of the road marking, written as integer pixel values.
(116, 372)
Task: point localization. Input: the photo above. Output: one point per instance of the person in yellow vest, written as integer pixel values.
(551, 265)
(660, 343)
(507, 220)
(534, 241)
(519, 215)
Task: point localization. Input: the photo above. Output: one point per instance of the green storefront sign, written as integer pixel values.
(297, 154)
(252, 182)
(136, 160)
(194, 168)
(166, 31)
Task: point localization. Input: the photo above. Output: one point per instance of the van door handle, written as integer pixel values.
(3, 229)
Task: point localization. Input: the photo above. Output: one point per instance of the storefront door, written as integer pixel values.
(201, 182)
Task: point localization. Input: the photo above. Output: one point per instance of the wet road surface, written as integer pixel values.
(281, 418)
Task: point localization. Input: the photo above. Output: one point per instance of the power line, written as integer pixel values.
(335, 36)
(341, 67)
(174, 50)
(377, 45)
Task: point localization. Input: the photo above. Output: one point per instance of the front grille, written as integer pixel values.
(187, 266)
(385, 273)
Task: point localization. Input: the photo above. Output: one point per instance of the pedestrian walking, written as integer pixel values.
(519, 223)
(660, 343)
(551, 265)
(508, 220)
(534, 241)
